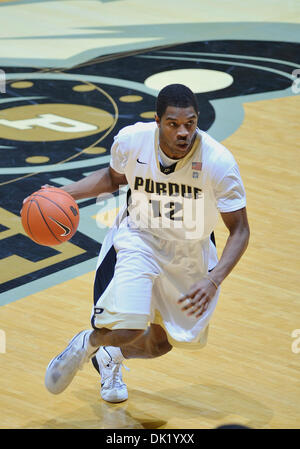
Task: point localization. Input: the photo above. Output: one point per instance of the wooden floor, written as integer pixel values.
(247, 374)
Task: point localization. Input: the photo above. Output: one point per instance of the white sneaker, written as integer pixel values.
(62, 368)
(108, 363)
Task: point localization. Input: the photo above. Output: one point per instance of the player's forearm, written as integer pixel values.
(235, 247)
(90, 187)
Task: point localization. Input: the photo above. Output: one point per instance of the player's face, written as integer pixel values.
(177, 131)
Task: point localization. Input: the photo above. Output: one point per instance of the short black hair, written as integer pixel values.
(177, 95)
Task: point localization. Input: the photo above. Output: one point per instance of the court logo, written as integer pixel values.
(2, 82)
(52, 122)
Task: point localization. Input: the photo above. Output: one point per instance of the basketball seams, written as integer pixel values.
(58, 191)
(40, 210)
(62, 210)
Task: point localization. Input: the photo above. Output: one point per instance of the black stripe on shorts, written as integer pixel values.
(105, 273)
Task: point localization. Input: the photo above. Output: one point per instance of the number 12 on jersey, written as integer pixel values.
(165, 212)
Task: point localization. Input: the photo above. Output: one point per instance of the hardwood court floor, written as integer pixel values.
(247, 374)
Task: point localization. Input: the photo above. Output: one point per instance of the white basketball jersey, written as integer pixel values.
(180, 202)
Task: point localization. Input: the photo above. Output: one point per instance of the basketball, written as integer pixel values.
(50, 216)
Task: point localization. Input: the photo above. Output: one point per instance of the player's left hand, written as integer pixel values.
(197, 299)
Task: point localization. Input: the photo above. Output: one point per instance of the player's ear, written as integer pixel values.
(157, 119)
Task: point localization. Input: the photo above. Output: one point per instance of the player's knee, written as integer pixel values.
(158, 349)
(166, 347)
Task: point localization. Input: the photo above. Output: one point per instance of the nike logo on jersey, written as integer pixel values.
(64, 227)
(140, 162)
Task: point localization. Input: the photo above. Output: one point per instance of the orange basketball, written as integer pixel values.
(50, 216)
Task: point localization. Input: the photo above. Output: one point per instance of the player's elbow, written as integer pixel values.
(245, 236)
(116, 179)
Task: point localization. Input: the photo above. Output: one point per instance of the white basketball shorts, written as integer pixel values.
(140, 278)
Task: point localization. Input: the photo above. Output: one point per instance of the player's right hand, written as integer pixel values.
(45, 186)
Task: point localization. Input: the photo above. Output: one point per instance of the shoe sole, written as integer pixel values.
(61, 389)
(117, 401)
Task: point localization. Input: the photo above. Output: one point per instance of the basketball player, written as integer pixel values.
(158, 276)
